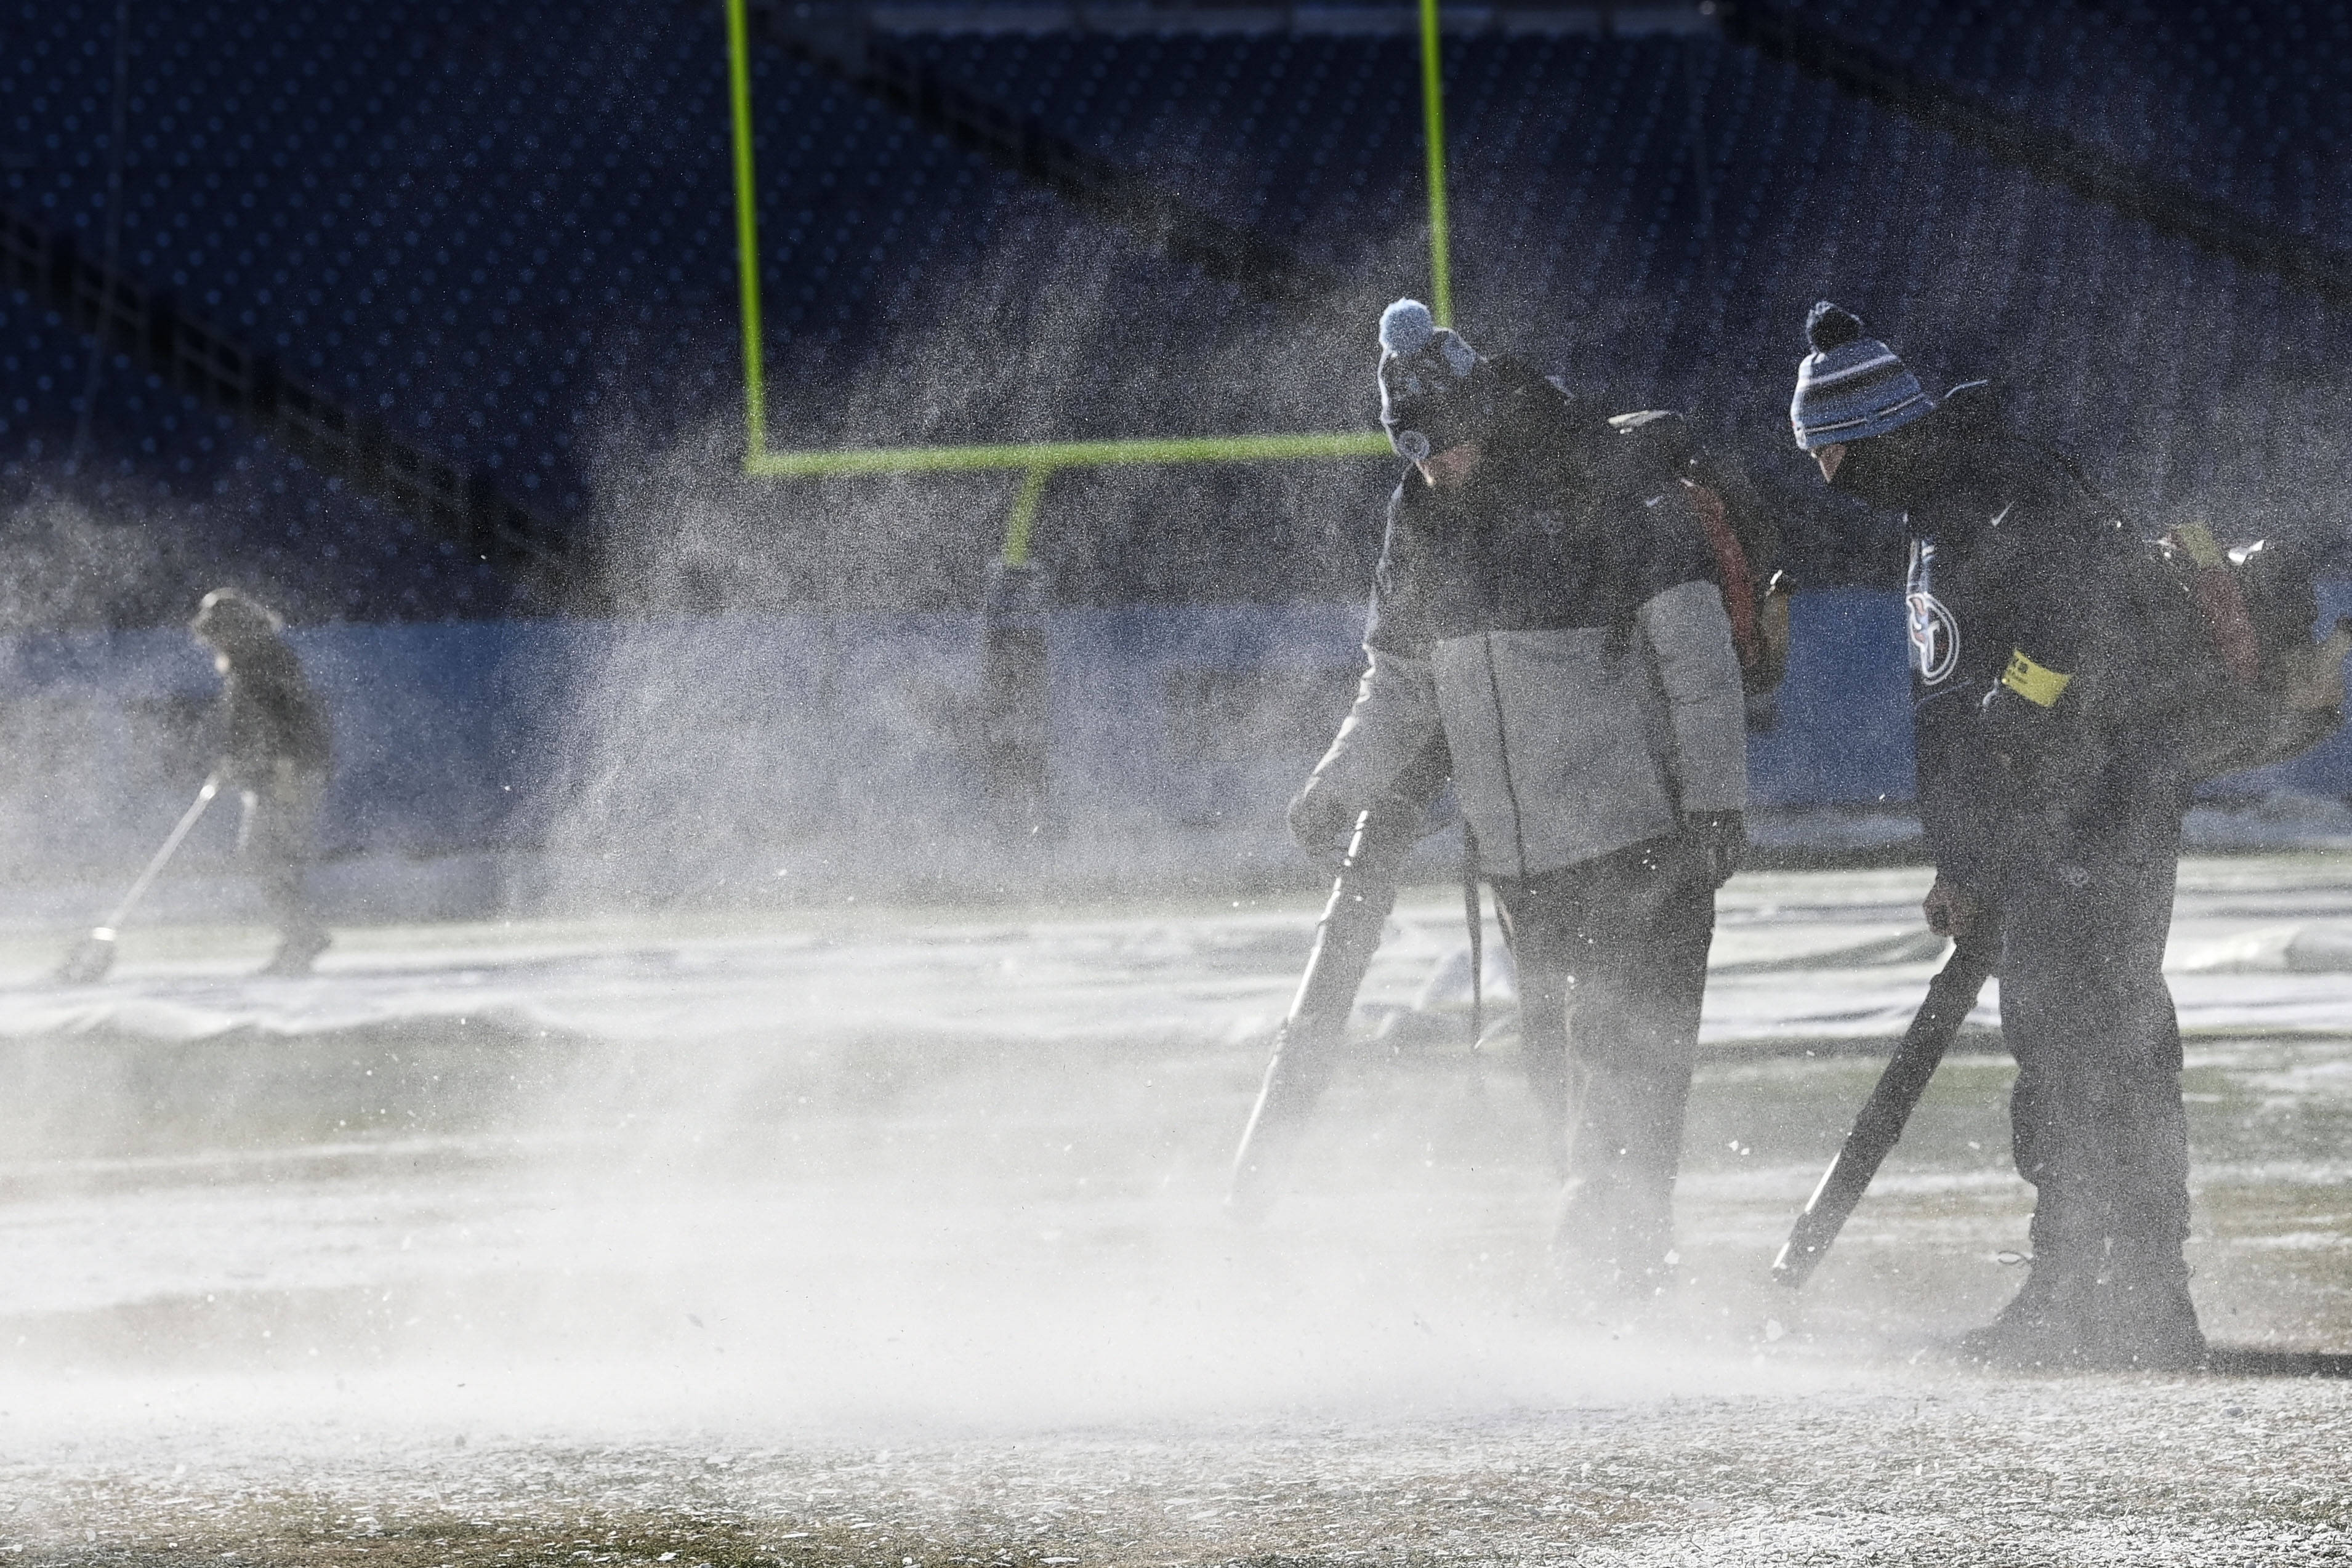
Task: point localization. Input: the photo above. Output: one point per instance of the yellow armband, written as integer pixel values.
(2037, 684)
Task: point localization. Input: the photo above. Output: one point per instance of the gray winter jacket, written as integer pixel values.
(1562, 626)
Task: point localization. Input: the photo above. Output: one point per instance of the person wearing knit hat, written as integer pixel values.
(1852, 386)
(2052, 805)
(1546, 608)
(1437, 392)
(274, 751)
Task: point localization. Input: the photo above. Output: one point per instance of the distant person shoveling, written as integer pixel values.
(274, 746)
(273, 749)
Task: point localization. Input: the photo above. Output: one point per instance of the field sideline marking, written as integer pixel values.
(1039, 460)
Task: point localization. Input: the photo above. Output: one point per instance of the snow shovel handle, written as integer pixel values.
(186, 824)
(1951, 996)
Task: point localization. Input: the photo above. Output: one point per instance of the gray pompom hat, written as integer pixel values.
(1433, 393)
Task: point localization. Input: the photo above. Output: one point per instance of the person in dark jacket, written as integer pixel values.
(2052, 797)
(1545, 599)
(274, 749)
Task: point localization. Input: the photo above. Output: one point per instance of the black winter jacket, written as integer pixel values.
(2031, 708)
(267, 714)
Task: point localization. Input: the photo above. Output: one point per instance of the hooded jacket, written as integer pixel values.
(1558, 618)
(2037, 723)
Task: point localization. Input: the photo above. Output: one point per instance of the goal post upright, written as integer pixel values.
(1433, 116)
(747, 232)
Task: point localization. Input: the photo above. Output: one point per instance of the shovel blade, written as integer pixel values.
(90, 961)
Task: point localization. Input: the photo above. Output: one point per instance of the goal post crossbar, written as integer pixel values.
(1037, 461)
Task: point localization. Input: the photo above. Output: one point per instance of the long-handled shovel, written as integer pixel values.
(93, 955)
(1951, 994)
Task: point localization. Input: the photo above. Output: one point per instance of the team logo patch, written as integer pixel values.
(1935, 638)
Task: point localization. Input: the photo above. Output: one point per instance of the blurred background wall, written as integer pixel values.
(419, 320)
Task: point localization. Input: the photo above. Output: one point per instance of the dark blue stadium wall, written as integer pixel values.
(507, 234)
(686, 754)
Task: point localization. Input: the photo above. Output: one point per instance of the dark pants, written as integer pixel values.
(1612, 966)
(2095, 1117)
(279, 839)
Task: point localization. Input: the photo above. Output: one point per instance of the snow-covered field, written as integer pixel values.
(891, 1236)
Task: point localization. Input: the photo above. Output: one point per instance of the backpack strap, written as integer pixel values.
(1732, 575)
(2221, 598)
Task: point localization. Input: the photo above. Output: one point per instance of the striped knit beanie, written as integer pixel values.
(1433, 395)
(1850, 386)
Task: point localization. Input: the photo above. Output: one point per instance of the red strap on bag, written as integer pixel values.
(2222, 601)
(1731, 569)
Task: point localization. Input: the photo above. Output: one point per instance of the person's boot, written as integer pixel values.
(2040, 1330)
(296, 951)
(2140, 1317)
(2106, 1306)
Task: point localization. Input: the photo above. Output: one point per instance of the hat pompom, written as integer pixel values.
(1406, 327)
(1829, 326)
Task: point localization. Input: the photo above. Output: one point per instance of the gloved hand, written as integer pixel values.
(1721, 838)
(1952, 910)
(1321, 825)
(2013, 730)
